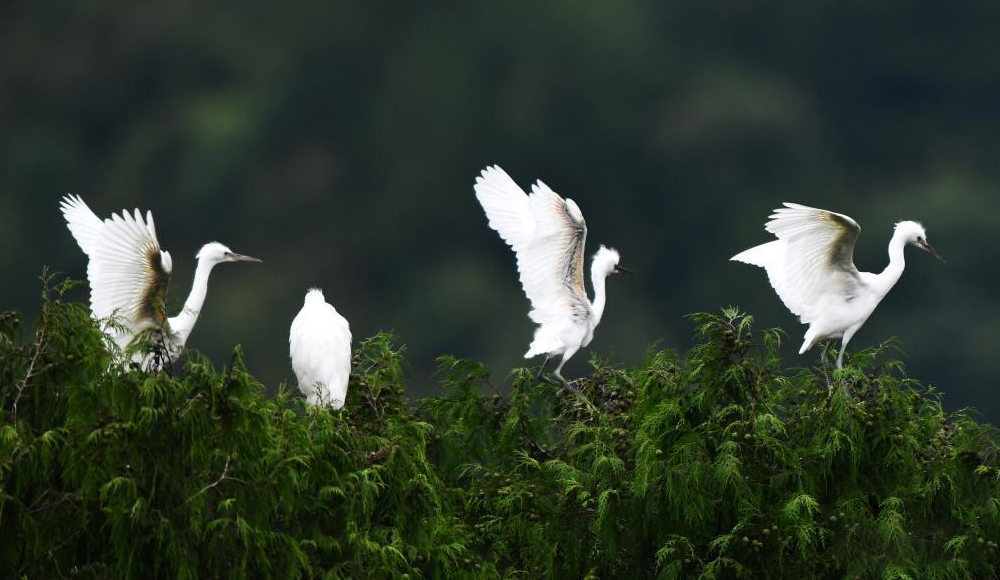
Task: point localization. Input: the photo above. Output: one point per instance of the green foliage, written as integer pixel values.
(718, 463)
(111, 472)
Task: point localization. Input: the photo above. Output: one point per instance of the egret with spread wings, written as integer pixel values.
(811, 267)
(319, 343)
(128, 275)
(548, 234)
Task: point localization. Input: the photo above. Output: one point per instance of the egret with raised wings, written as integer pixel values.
(319, 343)
(128, 275)
(811, 267)
(548, 234)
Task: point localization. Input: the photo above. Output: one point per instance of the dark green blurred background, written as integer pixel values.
(339, 141)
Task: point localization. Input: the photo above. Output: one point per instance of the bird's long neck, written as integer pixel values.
(597, 279)
(182, 324)
(888, 277)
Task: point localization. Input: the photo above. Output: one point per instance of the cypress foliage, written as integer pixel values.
(110, 472)
(715, 463)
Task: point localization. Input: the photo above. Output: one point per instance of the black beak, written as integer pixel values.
(241, 258)
(623, 270)
(930, 250)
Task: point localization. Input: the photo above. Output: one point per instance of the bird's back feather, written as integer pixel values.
(320, 348)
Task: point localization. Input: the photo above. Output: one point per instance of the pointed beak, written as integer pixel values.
(623, 270)
(930, 250)
(241, 258)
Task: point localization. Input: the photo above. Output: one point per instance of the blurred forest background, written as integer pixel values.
(339, 141)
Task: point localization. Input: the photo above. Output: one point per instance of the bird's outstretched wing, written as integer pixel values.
(127, 274)
(819, 255)
(547, 234)
(812, 258)
(82, 222)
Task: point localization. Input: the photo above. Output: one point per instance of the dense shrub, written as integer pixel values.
(718, 463)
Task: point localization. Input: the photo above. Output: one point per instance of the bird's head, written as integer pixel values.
(914, 233)
(216, 253)
(606, 263)
(314, 295)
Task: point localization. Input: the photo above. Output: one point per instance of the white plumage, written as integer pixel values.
(547, 234)
(320, 346)
(811, 267)
(128, 275)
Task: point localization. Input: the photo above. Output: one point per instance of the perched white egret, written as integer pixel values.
(320, 346)
(548, 234)
(811, 266)
(128, 275)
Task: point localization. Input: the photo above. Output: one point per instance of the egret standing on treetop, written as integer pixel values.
(548, 234)
(128, 275)
(320, 346)
(811, 266)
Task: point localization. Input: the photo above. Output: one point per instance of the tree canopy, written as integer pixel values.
(714, 463)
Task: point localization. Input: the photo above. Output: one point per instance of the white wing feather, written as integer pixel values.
(320, 347)
(547, 234)
(507, 207)
(124, 270)
(812, 259)
(82, 222)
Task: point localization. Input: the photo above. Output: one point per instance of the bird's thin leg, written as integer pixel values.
(825, 363)
(541, 369)
(848, 335)
(541, 376)
(559, 376)
(840, 366)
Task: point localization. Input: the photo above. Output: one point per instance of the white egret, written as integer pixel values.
(128, 275)
(811, 266)
(319, 343)
(548, 234)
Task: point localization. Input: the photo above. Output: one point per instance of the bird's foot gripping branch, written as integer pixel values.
(714, 463)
